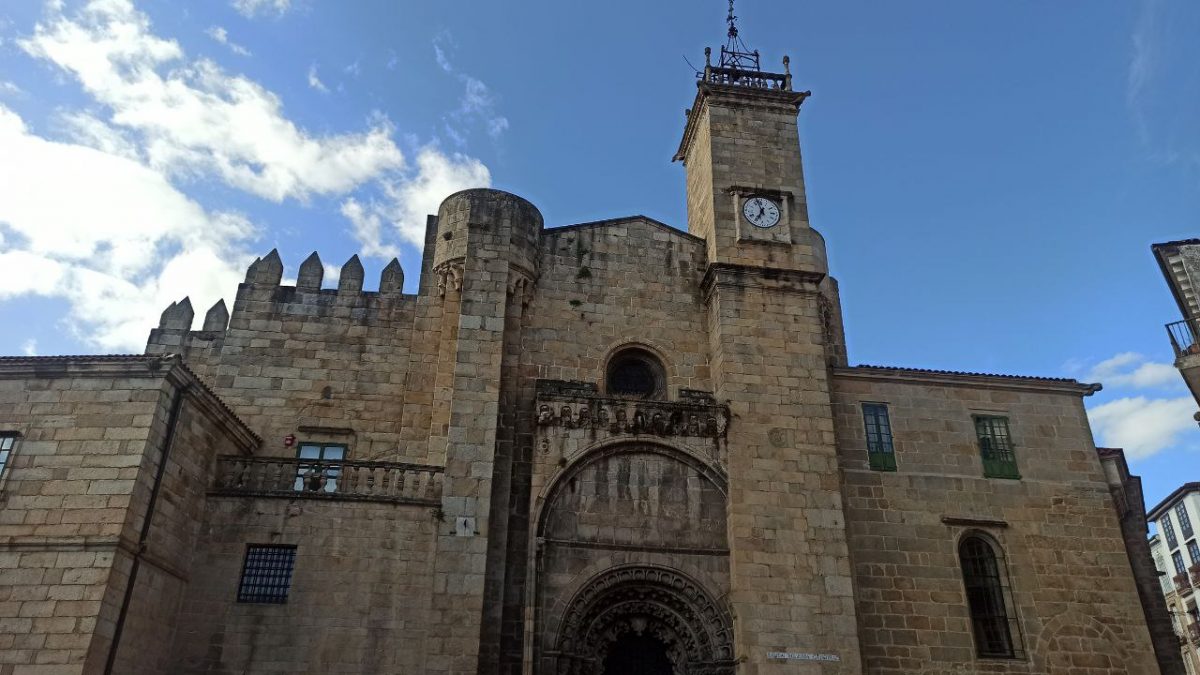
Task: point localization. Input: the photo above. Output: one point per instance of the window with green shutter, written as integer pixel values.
(880, 453)
(995, 447)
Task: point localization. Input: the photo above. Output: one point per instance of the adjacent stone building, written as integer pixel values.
(611, 447)
(1176, 554)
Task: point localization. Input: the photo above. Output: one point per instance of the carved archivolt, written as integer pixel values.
(656, 601)
(520, 286)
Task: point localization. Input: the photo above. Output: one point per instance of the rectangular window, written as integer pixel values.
(322, 472)
(1185, 523)
(1194, 552)
(1177, 558)
(880, 453)
(267, 574)
(8, 439)
(1169, 531)
(995, 446)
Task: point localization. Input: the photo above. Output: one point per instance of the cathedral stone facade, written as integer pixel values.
(612, 447)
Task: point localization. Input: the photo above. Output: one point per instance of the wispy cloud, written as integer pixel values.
(9, 89)
(221, 36)
(29, 347)
(1143, 426)
(314, 81)
(477, 104)
(1132, 370)
(253, 8)
(94, 216)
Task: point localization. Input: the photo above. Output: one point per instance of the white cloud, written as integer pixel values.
(410, 198)
(95, 216)
(194, 117)
(111, 236)
(1133, 370)
(9, 89)
(252, 8)
(477, 102)
(29, 347)
(331, 276)
(367, 223)
(1143, 426)
(314, 81)
(221, 35)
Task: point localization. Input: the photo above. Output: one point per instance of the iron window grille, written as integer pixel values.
(321, 474)
(881, 454)
(8, 440)
(1185, 523)
(267, 574)
(1177, 560)
(988, 600)
(996, 447)
(1169, 531)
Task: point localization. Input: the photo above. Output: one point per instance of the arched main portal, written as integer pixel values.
(655, 618)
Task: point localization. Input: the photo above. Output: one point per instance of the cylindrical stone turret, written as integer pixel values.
(488, 223)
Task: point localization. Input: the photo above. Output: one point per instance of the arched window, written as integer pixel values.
(635, 373)
(993, 620)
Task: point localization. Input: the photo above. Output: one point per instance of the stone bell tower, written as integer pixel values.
(745, 183)
(773, 333)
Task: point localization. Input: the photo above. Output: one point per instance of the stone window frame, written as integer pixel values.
(12, 438)
(274, 574)
(883, 458)
(1004, 578)
(646, 355)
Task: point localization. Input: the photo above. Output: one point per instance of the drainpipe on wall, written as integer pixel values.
(164, 454)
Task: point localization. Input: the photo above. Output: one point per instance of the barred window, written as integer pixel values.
(8, 439)
(322, 472)
(1194, 552)
(995, 447)
(1185, 523)
(989, 601)
(1177, 560)
(267, 574)
(880, 452)
(1169, 531)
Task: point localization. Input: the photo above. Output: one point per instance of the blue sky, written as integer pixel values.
(989, 176)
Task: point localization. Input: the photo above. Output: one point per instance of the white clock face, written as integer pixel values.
(761, 212)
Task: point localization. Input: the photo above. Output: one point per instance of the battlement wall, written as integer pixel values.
(330, 365)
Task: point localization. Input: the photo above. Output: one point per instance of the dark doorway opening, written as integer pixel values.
(637, 655)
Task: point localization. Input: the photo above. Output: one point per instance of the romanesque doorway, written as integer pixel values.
(644, 620)
(634, 654)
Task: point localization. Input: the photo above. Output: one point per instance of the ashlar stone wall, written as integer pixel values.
(1074, 594)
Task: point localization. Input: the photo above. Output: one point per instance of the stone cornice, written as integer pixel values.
(961, 379)
(729, 275)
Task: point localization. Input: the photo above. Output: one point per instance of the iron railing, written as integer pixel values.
(320, 479)
(1182, 585)
(1183, 337)
(1195, 570)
